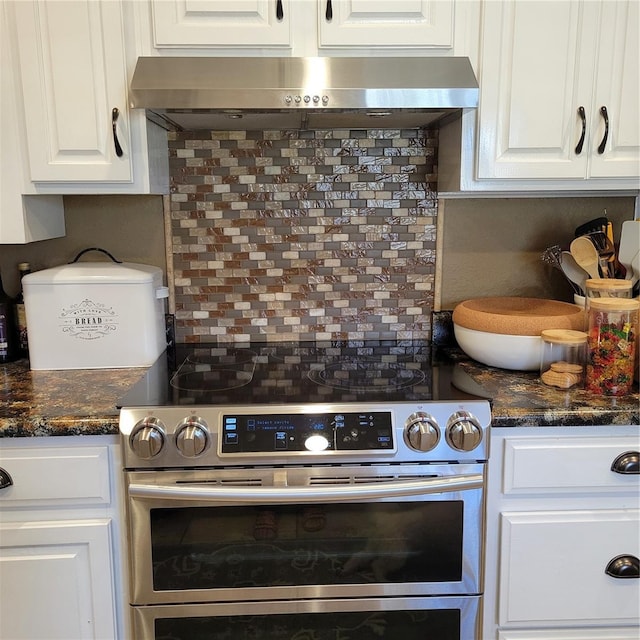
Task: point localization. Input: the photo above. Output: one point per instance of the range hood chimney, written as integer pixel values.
(220, 93)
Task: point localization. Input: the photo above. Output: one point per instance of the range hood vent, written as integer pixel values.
(219, 93)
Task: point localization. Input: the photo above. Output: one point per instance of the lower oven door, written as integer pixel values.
(444, 618)
(305, 532)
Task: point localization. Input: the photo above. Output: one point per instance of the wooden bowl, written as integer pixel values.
(518, 316)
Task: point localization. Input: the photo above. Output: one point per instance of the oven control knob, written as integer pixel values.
(464, 432)
(192, 438)
(147, 438)
(421, 432)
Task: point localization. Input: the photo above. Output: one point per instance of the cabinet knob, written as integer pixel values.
(5, 479)
(625, 566)
(329, 11)
(627, 463)
(279, 10)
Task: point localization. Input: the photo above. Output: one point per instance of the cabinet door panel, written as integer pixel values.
(390, 23)
(618, 88)
(55, 581)
(204, 23)
(73, 74)
(528, 118)
(553, 568)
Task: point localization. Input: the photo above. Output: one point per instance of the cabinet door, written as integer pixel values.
(72, 64)
(618, 89)
(537, 68)
(553, 568)
(55, 581)
(23, 218)
(221, 23)
(386, 23)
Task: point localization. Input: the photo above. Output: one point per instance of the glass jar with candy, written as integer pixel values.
(611, 345)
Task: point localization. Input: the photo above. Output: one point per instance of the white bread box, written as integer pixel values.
(95, 315)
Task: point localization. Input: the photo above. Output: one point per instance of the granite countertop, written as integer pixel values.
(61, 403)
(83, 402)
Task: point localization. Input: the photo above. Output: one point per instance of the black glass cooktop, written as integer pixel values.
(300, 373)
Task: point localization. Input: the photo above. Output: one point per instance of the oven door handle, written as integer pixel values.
(289, 495)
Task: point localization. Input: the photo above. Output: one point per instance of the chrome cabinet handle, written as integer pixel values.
(293, 495)
(625, 566)
(627, 463)
(583, 118)
(605, 115)
(279, 10)
(114, 118)
(329, 11)
(5, 479)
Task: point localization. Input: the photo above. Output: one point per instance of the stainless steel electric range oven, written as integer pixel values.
(315, 491)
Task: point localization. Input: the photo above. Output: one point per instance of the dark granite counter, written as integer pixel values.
(83, 402)
(61, 403)
(521, 400)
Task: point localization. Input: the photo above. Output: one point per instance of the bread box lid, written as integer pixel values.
(94, 273)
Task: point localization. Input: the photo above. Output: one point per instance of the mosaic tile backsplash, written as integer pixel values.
(303, 235)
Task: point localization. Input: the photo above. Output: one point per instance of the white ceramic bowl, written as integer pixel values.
(521, 353)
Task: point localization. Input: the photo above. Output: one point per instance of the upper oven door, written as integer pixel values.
(308, 532)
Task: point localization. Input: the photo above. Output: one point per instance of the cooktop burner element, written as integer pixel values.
(363, 375)
(210, 372)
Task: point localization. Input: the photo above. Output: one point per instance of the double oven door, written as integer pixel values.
(349, 552)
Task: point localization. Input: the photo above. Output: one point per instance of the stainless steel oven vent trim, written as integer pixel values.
(313, 92)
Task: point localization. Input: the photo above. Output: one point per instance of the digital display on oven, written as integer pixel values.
(314, 432)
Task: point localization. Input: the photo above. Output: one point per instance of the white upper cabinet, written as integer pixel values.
(223, 23)
(617, 88)
(23, 218)
(301, 27)
(71, 61)
(72, 64)
(385, 23)
(549, 72)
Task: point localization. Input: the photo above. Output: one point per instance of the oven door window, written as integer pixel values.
(331, 544)
(382, 625)
(430, 618)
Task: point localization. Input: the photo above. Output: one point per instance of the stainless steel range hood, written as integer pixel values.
(306, 93)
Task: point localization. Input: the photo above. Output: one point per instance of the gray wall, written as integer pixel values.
(129, 227)
(492, 247)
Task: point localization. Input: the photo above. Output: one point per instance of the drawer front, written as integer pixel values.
(553, 568)
(567, 465)
(51, 476)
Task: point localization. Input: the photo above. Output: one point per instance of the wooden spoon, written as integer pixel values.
(586, 255)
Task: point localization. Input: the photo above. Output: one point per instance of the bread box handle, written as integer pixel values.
(95, 249)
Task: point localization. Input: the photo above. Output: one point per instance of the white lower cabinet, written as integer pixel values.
(53, 580)
(61, 575)
(563, 531)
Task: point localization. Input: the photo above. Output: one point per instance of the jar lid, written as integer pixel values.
(609, 284)
(563, 336)
(614, 304)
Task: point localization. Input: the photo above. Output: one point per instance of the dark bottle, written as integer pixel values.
(8, 334)
(21, 318)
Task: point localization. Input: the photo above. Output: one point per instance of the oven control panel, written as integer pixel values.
(293, 432)
(203, 436)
